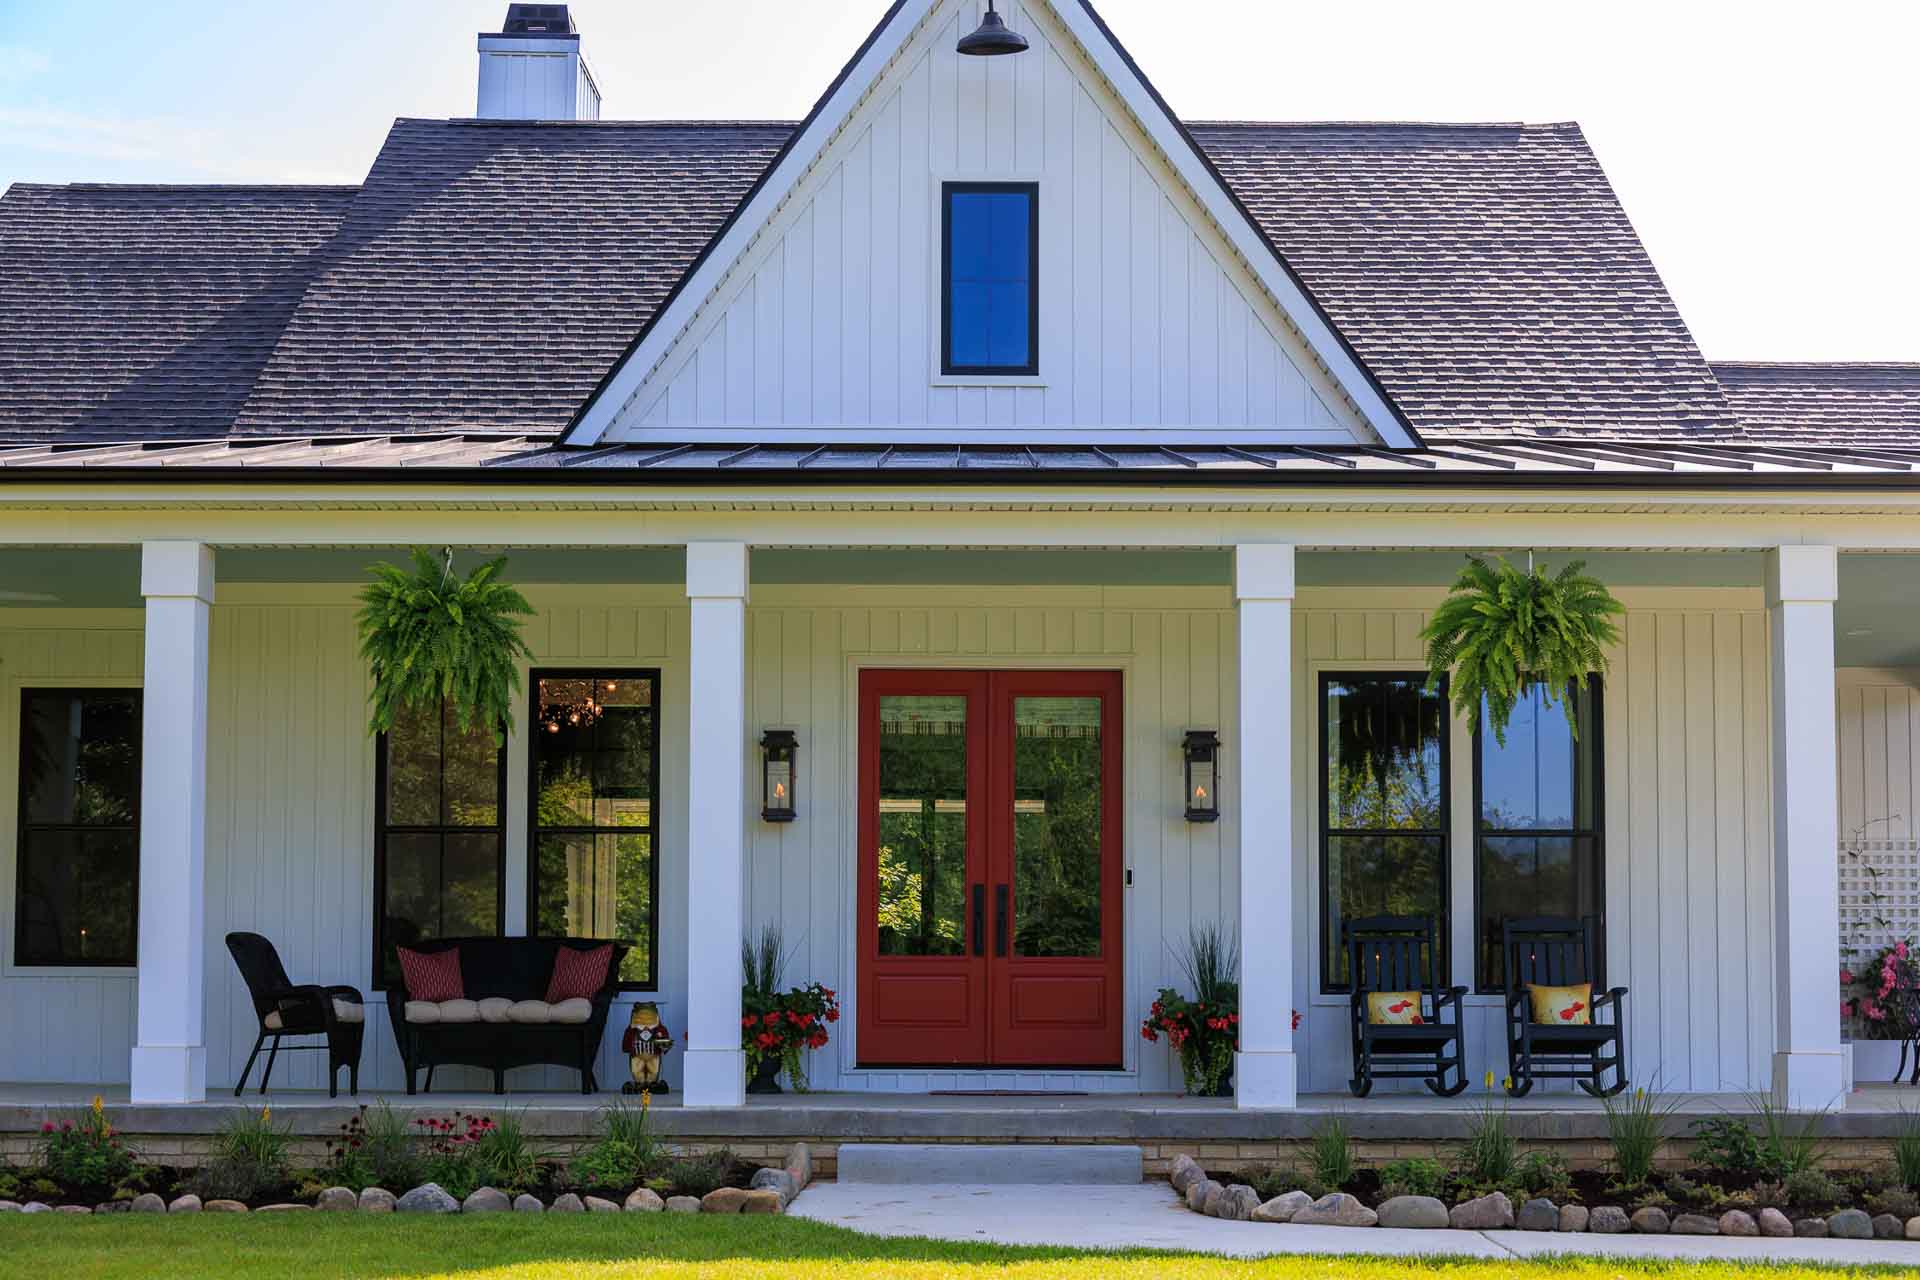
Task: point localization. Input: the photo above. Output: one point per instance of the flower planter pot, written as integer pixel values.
(1877, 1061)
(766, 1077)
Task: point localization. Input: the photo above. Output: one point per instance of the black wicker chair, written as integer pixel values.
(1400, 953)
(1553, 951)
(289, 1011)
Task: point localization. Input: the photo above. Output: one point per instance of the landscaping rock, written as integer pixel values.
(1413, 1213)
(1695, 1224)
(765, 1200)
(1488, 1213)
(678, 1204)
(147, 1202)
(185, 1204)
(1810, 1228)
(1215, 1198)
(778, 1181)
(596, 1205)
(77, 1210)
(377, 1200)
(1774, 1224)
(487, 1200)
(284, 1208)
(1850, 1224)
(1738, 1222)
(9, 1206)
(1197, 1193)
(723, 1200)
(1651, 1221)
(1913, 1228)
(569, 1203)
(34, 1206)
(224, 1206)
(645, 1200)
(1886, 1227)
(1282, 1207)
(1538, 1215)
(800, 1166)
(524, 1203)
(429, 1198)
(1185, 1172)
(1238, 1204)
(1336, 1210)
(114, 1206)
(337, 1200)
(1573, 1217)
(1609, 1220)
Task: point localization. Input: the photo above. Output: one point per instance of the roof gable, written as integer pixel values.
(1164, 311)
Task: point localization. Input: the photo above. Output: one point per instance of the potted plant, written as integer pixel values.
(433, 639)
(1203, 1030)
(1502, 630)
(1882, 998)
(777, 1026)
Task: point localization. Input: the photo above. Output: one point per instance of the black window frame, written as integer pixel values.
(1330, 945)
(22, 825)
(535, 830)
(1031, 369)
(1592, 732)
(381, 831)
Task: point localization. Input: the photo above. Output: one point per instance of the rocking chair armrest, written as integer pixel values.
(1516, 1005)
(1449, 995)
(1617, 998)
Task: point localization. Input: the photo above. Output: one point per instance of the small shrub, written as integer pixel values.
(697, 1175)
(626, 1155)
(1683, 1190)
(1787, 1147)
(1906, 1152)
(249, 1159)
(1330, 1154)
(84, 1152)
(1898, 1201)
(1634, 1127)
(1812, 1189)
(390, 1148)
(1415, 1176)
(1726, 1144)
(504, 1157)
(9, 1185)
(1487, 1158)
(1542, 1173)
(1270, 1180)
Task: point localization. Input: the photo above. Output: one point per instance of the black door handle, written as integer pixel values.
(979, 919)
(999, 920)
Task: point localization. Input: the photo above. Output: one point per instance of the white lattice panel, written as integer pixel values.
(1879, 895)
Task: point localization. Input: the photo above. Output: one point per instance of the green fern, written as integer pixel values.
(1502, 630)
(431, 638)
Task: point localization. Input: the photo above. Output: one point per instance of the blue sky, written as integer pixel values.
(1768, 162)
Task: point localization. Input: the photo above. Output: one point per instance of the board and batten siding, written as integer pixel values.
(1689, 888)
(1148, 320)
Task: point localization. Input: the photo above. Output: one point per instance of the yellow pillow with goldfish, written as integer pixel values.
(1394, 1009)
(1563, 1006)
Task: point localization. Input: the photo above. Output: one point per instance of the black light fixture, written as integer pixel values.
(782, 748)
(1202, 750)
(993, 38)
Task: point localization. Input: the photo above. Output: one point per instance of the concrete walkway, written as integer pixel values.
(1149, 1217)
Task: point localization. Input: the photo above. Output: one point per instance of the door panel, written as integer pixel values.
(990, 869)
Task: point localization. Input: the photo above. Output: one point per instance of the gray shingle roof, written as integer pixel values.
(1826, 404)
(1486, 273)
(142, 312)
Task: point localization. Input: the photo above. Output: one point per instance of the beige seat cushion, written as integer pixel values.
(495, 1009)
(577, 1010)
(534, 1012)
(424, 1011)
(343, 1011)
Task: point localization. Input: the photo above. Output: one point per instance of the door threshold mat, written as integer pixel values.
(1008, 1093)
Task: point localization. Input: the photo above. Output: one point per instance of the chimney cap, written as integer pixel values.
(538, 20)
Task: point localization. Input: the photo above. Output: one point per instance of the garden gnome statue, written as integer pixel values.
(645, 1044)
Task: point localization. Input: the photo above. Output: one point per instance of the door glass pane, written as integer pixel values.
(1056, 826)
(922, 860)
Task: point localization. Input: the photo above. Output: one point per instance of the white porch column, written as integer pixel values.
(716, 800)
(170, 1054)
(1802, 584)
(1266, 1074)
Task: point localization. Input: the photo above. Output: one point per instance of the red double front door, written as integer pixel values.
(990, 869)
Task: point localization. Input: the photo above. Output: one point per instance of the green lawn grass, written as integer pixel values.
(648, 1247)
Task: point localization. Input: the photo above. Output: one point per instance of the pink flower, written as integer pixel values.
(1900, 949)
(47, 1127)
(1846, 977)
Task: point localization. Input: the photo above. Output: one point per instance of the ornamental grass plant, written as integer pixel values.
(1636, 1125)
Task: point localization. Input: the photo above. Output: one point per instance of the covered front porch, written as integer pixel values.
(263, 805)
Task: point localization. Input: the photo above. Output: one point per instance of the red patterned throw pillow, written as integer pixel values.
(432, 975)
(578, 975)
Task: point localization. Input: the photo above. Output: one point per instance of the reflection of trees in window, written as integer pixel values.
(1056, 826)
(1537, 837)
(1383, 804)
(595, 746)
(922, 825)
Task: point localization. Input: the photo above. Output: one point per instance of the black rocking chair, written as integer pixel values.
(1552, 951)
(1400, 953)
(286, 1010)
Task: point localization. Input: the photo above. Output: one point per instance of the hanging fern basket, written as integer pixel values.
(431, 638)
(1503, 630)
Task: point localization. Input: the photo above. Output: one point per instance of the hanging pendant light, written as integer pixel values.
(993, 38)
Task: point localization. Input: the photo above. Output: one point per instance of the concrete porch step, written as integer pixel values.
(972, 1164)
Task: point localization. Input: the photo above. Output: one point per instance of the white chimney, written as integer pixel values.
(533, 68)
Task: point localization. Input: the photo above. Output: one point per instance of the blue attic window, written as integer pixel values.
(990, 261)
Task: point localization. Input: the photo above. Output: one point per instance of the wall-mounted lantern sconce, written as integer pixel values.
(1202, 749)
(782, 750)
(993, 38)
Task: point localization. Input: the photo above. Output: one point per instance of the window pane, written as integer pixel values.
(82, 758)
(1538, 778)
(78, 901)
(923, 825)
(1384, 741)
(1056, 826)
(1379, 875)
(413, 770)
(1533, 876)
(990, 280)
(470, 778)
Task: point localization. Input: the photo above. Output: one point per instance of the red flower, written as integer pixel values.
(748, 1021)
(1146, 1033)
(766, 1040)
(772, 1019)
(833, 1015)
(47, 1127)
